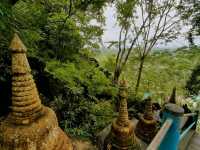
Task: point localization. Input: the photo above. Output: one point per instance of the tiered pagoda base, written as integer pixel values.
(121, 138)
(146, 129)
(43, 134)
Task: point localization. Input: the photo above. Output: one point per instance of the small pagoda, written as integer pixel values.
(121, 136)
(147, 126)
(29, 125)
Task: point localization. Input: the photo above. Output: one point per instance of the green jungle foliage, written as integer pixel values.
(90, 107)
(193, 84)
(82, 74)
(53, 28)
(73, 91)
(163, 70)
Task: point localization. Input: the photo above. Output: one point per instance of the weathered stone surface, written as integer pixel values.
(29, 125)
(44, 132)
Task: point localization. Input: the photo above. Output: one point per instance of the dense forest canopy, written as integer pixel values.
(190, 12)
(44, 24)
(79, 79)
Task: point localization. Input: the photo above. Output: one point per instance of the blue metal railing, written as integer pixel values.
(170, 134)
(160, 135)
(184, 133)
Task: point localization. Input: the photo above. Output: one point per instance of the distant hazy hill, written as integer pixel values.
(163, 70)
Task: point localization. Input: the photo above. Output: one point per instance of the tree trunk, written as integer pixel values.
(116, 76)
(139, 75)
(190, 39)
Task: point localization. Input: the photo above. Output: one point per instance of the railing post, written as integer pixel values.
(196, 118)
(171, 139)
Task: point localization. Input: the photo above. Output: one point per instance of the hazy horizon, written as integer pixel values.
(111, 33)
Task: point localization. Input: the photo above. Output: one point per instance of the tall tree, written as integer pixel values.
(143, 23)
(190, 10)
(125, 42)
(162, 24)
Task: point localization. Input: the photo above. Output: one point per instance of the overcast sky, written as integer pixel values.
(111, 32)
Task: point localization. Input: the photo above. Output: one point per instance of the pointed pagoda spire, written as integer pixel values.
(172, 98)
(148, 113)
(123, 110)
(26, 104)
(17, 45)
(122, 134)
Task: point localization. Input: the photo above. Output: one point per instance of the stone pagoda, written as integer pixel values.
(147, 126)
(29, 125)
(121, 136)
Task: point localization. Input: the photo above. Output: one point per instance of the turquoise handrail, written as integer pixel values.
(171, 140)
(160, 135)
(195, 118)
(186, 131)
(169, 136)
